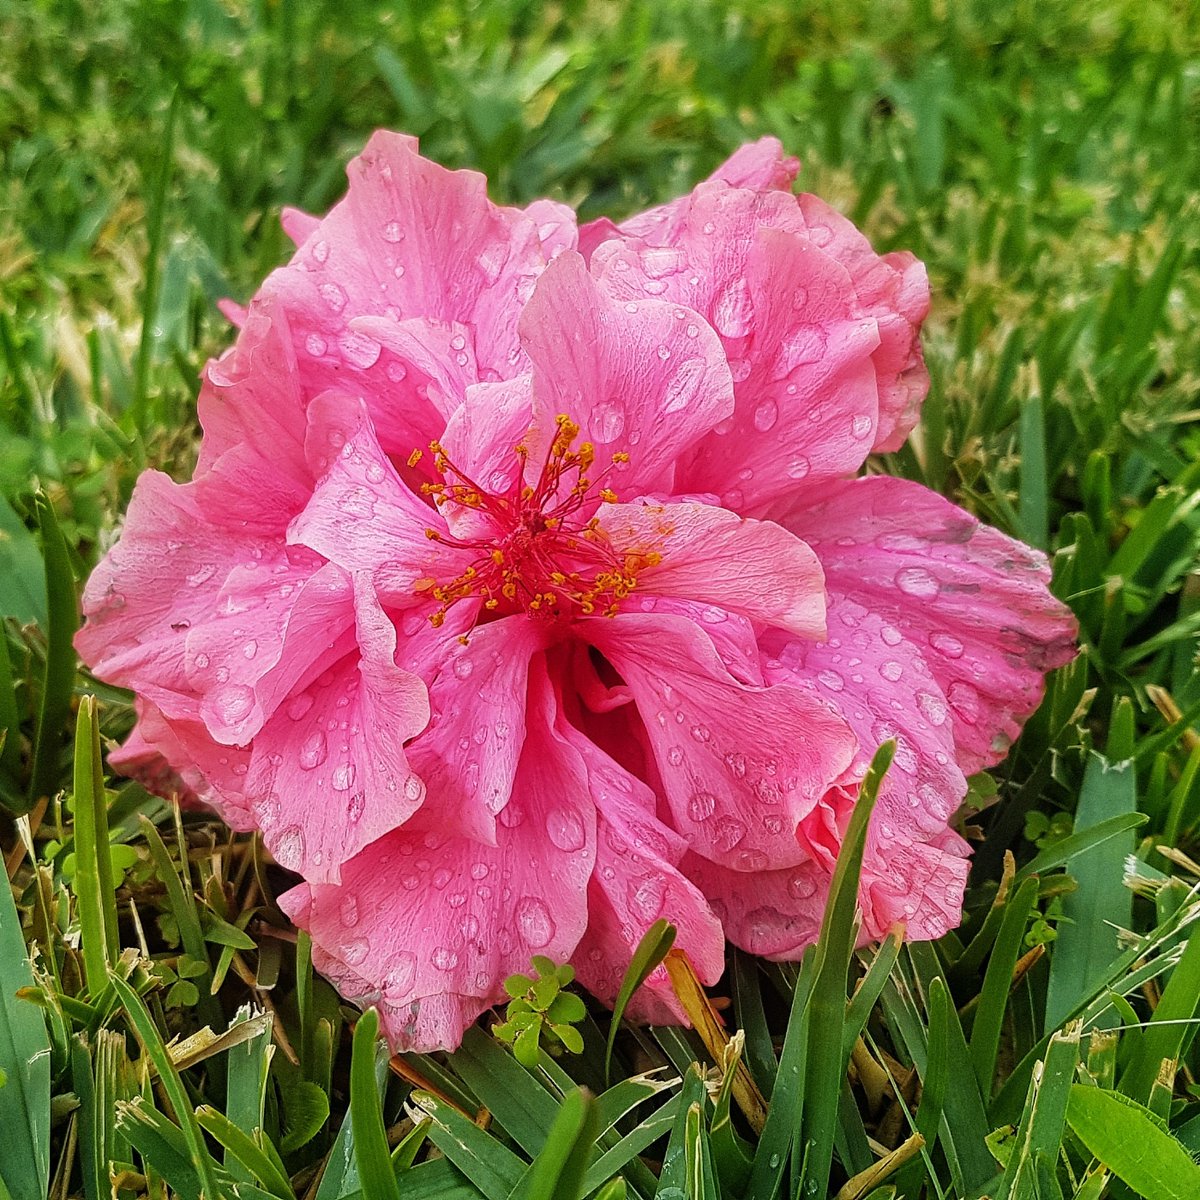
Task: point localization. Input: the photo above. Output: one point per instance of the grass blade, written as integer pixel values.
(95, 891)
(25, 1062)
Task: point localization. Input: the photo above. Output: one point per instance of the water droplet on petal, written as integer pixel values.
(360, 350)
(342, 778)
(765, 416)
(315, 345)
(730, 831)
(289, 849)
(534, 922)
(918, 582)
(832, 680)
(233, 703)
(392, 232)
(333, 295)
(799, 467)
(646, 896)
(565, 829)
(965, 701)
(861, 426)
(401, 975)
(891, 670)
(946, 644)
(444, 959)
(683, 388)
(701, 805)
(933, 707)
(313, 751)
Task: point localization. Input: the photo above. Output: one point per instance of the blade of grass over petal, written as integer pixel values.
(826, 1058)
(651, 949)
(371, 1152)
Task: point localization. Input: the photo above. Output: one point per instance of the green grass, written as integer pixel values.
(1044, 160)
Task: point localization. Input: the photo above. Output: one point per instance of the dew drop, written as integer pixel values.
(348, 911)
(646, 896)
(860, 427)
(320, 251)
(946, 644)
(765, 416)
(463, 667)
(289, 849)
(799, 467)
(233, 703)
(730, 831)
(701, 805)
(342, 778)
(565, 829)
(933, 707)
(891, 670)
(392, 232)
(675, 756)
(314, 750)
(401, 975)
(683, 388)
(297, 706)
(608, 421)
(333, 295)
(534, 922)
(359, 349)
(918, 582)
(832, 680)
(444, 958)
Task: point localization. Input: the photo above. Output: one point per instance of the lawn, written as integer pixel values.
(162, 1031)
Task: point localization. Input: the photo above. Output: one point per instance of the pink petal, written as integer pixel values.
(163, 579)
(298, 225)
(799, 344)
(894, 289)
(410, 240)
(428, 925)
(361, 516)
(741, 766)
(556, 227)
(634, 884)
(252, 405)
(233, 312)
(757, 166)
(329, 773)
(709, 555)
(975, 602)
(646, 378)
(781, 914)
(210, 773)
(470, 753)
(268, 632)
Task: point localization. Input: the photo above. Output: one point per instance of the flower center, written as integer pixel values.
(543, 555)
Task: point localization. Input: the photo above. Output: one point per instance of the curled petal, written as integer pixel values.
(975, 602)
(636, 882)
(709, 555)
(427, 925)
(647, 380)
(738, 799)
(329, 773)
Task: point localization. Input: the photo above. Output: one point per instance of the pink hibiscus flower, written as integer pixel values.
(524, 593)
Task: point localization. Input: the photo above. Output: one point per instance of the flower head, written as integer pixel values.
(525, 592)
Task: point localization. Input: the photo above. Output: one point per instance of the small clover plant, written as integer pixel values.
(540, 1013)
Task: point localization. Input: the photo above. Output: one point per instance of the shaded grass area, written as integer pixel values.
(1044, 162)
